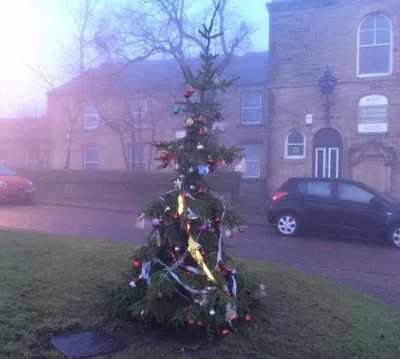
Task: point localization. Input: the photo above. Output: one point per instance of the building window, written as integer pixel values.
(138, 157)
(139, 106)
(375, 46)
(295, 145)
(31, 159)
(252, 160)
(251, 108)
(91, 158)
(91, 117)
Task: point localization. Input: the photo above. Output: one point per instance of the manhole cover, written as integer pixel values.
(86, 344)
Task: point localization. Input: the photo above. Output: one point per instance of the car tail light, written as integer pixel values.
(279, 195)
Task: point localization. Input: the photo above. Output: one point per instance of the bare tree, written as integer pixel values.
(125, 115)
(76, 59)
(170, 28)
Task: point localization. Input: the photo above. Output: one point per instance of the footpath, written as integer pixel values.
(251, 216)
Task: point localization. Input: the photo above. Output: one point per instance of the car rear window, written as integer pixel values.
(315, 188)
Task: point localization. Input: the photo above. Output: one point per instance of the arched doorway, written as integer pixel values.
(327, 144)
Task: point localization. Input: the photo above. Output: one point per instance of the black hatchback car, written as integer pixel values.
(341, 206)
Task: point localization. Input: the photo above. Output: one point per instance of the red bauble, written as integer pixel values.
(200, 323)
(190, 90)
(225, 331)
(241, 229)
(200, 119)
(161, 219)
(200, 190)
(190, 321)
(175, 217)
(136, 264)
(211, 161)
(164, 156)
(211, 168)
(159, 294)
(201, 132)
(164, 165)
(248, 318)
(217, 220)
(158, 143)
(203, 252)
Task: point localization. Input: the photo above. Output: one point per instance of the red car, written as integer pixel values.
(14, 187)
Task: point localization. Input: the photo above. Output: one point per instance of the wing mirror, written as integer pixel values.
(375, 201)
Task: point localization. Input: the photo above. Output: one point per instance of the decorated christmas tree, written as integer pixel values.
(182, 277)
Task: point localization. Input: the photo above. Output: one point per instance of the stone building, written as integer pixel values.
(106, 120)
(334, 91)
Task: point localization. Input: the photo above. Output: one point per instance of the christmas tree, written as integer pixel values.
(182, 277)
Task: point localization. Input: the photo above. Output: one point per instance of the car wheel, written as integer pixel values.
(394, 236)
(287, 224)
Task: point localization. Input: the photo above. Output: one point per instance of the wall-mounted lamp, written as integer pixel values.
(327, 84)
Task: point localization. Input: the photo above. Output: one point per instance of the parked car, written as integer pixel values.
(14, 187)
(341, 206)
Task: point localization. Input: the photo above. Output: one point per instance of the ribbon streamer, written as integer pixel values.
(184, 285)
(219, 253)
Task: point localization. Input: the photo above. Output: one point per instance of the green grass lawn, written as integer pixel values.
(50, 283)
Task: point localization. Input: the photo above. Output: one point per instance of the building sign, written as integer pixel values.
(373, 114)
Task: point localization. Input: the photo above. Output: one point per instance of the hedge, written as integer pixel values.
(224, 181)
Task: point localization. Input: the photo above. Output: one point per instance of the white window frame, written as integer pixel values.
(247, 161)
(304, 143)
(84, 157)
(375, 45)
(244, 108)
(145, 156)
(86, 115)
(29, 161)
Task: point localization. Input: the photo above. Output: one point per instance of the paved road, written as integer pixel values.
(373, 268)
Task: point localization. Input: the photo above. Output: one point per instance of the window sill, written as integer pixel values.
(294, 161)
(250, 125)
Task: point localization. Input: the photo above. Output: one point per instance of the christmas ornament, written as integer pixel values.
(200, 190)
(175, 110)
(189, 122)
(229, 233)
(263, 291)
(181, 177)
(200, 146)
(141, 221)
(203, 227)
(200, 323)
(164, 156)
(200, 119)
(247, 318)
(203, 252)
(161, 220)
(211, 161)
(248, 291)
(176, 217)
(201, 132)
(241, 229)
(191, 321)
(156, 222)
(230, 315)
(192, 187)
(178, 184)
(203, 169)
(217, 220)
(136, 264)
(211, 168)
(158, 143)
(188, 92)
(159, 294)
(225, 331)
(212, 312)
(177, 249)
(216, 80)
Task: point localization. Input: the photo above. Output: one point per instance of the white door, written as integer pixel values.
(326, 164)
